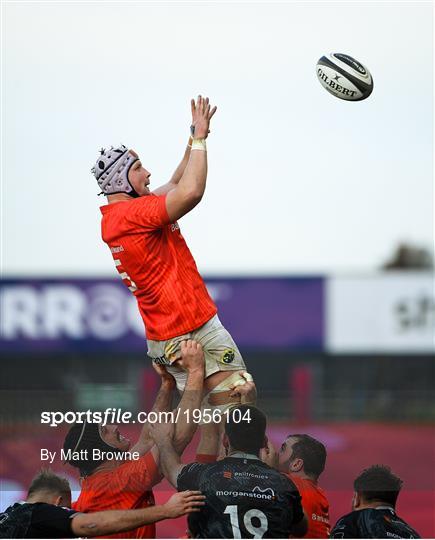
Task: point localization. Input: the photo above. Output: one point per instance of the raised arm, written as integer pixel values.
(190, 188)
(118, 521)
(171, 440)
(162, 403)
(170, 461)
(192, 360)
(178, 173)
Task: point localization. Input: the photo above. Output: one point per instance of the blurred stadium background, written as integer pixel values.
(299, 182)
(348, 359)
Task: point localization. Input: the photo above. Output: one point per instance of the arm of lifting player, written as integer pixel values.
(117, 521)
(163, 403)
(192, 360)
(170, 461)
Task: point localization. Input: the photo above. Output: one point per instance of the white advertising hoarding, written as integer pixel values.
(392, 312)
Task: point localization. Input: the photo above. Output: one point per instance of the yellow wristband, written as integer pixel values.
(199, 144)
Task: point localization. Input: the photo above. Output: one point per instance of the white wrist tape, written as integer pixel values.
(199, 144)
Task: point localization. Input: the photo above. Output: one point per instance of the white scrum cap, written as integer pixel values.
(111, 170)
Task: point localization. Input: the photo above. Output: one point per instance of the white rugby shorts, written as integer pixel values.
(220, 351)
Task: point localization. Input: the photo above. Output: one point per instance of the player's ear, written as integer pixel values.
(297, 465)
(58, 501)
(225, 441)
(266, 443)
(356, 501)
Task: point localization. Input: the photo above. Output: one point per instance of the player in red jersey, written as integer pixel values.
(303, 459)
(110, 484)
(141, 229)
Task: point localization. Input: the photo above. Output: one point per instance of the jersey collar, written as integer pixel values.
(385, 508)
(243, 455)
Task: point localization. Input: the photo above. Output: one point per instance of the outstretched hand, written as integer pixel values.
(185, 502)
(201, 116)
(167, 379)
(247, 392)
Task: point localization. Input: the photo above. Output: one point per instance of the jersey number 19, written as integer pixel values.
(257, 532)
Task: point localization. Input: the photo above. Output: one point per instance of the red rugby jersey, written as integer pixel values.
(315, 505)
(155, 263)
(127, 487)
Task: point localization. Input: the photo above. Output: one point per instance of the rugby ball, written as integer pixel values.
(344, 77)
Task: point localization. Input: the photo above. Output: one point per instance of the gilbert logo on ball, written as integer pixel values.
(344, 77)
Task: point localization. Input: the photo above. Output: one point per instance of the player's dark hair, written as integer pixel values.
(246, 430)
(311, 451)
(378, 483)
(84, 436)
(46, 480)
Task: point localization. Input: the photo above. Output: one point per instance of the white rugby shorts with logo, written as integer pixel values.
(220, 352)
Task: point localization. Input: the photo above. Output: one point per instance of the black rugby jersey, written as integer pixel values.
(381, 522)
(245, 498)
(36, 520)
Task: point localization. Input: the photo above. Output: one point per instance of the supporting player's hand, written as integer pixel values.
(201, 116)
(268, 455)
(247, 391)
(182, 503)
(162, 432)
(192, 356)
(167, 379)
